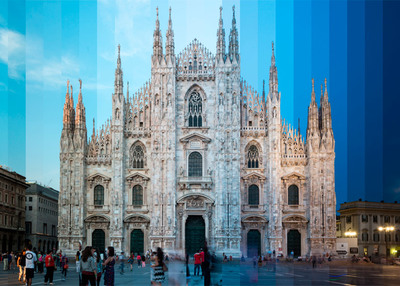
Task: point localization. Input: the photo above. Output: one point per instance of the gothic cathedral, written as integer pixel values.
(197, 155)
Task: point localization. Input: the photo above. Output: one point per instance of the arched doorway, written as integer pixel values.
(294, 242)
(137, 241)
(195, 231)
(253, 243)
(99, 239)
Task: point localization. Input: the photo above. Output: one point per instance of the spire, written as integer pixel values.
(221, 49)
(80, 118)
(322, 96)
(312, 92)
(118, 83)
(67, 108)
(94, 129)
(273, 75)
(233, 39)
(67, 94)
(169, 46)
(157, 40)
(326, 92)
(127, 90)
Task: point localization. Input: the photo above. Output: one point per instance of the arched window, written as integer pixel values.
(98, 195)
(137, 157)
(137, 195)
(254, 195)
(195, 110)
(293, 195)
(252, 157)
(195, 165)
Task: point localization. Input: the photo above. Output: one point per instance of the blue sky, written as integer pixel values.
(44, 43)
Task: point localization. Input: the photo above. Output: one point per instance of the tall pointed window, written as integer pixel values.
(195, 110)
(98, 195)
(137, 196)
(252, 157)
(137, 158)
(254, 195)
(195, 164)
(293, 195)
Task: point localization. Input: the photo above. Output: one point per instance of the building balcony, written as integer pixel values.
(187, 183)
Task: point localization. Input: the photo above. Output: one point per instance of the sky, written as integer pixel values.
(354, 44)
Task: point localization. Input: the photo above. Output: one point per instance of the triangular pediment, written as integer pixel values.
(195, 136)
(293, 175)
(254, 174)
(97, 218)
(98, 175)
(137, 175)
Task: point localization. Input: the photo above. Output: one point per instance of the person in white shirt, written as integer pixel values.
(30, 260)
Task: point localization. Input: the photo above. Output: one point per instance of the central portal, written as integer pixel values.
(195, 231)
(294, 242)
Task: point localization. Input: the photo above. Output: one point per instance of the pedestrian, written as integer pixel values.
(50, 267)
(187, 269)
(122, 263)
(5, 261)
(21, 267)
(40, 262)
(99, 264)
(143, 261)
(254, 261)
(13, 261)
(197, 263)
(206, 267)
(159, 268)
(109, 264)
(314, 261)
(130, 260)
(78, 266)
(88, 267)
(64, 265)
(139, 260)
(202, 260)
(30, 260)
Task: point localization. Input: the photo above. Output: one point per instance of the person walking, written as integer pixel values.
(64, 265)
(21, 266)
(139, 260)
(99, 264)
(78, 266)
(197, 264)
(40, 262)
(50, 267)
(159, 268)
(122, 263)
(314, 261)
(130, 260)
(88, 267)
(109, 264)
(5, 261)
(206, 267)
(143, 261)
(30, 260)
(13, 261)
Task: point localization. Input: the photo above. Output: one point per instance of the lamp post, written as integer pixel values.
(386, 229)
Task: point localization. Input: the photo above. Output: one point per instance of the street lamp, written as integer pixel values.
(386, 229)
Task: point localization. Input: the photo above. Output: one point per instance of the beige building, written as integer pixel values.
(12, 210)
(198, 155)
(41, 217)
(365, 218)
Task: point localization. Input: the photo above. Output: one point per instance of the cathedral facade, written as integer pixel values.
(197, 155)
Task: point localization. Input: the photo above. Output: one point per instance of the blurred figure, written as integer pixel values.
(122, 263)
(206, 264)
(197, 263)
(139, 260)
(109, 264)
(159, 268)
(50, 267)
(131, 259)
(99, 265)
(88, 267)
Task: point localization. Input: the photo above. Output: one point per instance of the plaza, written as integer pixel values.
(243, 273)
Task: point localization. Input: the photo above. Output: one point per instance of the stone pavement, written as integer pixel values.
(235, 273)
